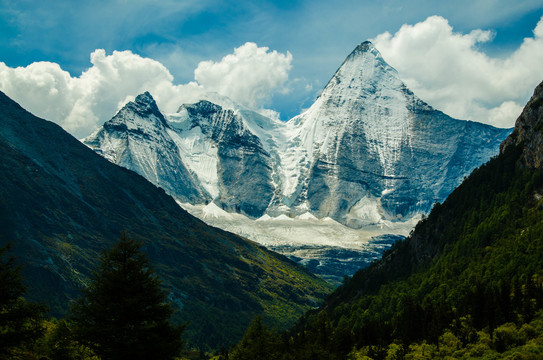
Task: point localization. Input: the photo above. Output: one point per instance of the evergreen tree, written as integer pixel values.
(123, 313)
(20, 320)
(258, 343)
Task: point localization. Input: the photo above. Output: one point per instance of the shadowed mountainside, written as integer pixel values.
(61, 205)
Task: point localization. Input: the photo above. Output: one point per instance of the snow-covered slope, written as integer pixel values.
(367, 151)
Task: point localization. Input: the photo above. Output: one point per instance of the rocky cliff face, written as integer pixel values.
(368, 150)
(239, 175)
(529, 131)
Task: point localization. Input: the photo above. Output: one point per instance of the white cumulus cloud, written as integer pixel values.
(81, 104)
(248, 76)
(448, 70)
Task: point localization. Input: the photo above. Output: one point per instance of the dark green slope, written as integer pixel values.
(61, 205)
(471, 271)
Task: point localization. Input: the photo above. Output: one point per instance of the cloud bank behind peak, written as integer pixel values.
(446, 68)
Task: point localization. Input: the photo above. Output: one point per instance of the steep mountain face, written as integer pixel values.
(368, 150)
(203, 153)
(61, 205)
(240, 178)
(137, 138)
(528, 131)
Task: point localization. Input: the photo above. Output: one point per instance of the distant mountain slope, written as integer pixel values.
(467, 283)
(366, 151)
(61, 205)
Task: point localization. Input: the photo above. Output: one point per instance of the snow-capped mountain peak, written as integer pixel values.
(358, 151)
(365, 100)
(367, 49)
(367, 150)
(147, 105)
(143, 112)
(137, 138)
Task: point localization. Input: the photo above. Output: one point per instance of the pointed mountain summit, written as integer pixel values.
(363, 70)
(373, 150)
(366, 46)
(145, 106)
(137, 138)
(138, 115)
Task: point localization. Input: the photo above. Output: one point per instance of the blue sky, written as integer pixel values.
(317, 34)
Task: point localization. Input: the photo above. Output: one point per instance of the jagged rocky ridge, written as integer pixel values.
(367, 150)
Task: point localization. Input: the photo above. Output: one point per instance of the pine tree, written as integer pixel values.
(258, 343)
(20, 320)
(123, 313)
